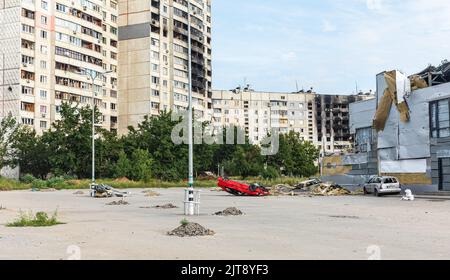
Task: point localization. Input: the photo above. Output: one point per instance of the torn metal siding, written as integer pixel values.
(411, 140)
(361, 114)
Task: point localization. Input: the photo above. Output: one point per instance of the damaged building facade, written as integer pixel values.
(405, 130)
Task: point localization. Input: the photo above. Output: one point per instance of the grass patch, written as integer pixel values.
(184, 222)
(73, 184)
(40, 219)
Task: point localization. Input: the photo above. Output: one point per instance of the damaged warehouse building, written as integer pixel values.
(404, 131)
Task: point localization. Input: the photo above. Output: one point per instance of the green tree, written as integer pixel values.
(123, 166)
(141, 166)
(8, 128)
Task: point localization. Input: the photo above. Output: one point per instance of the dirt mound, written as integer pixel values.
(191, 229)
(78, 193)
(122, 180)
(150, 193)
(330, 190)
(166, 206)
(120, 202)
(232, 211)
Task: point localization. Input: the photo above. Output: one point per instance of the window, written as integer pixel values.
(43, 34)
(44, 20)
(43, 109)
(440, 118)
(43, 79)
(43, 49)
(27, 90)
(27, 28)
(27, 121)
(27, 60)
(43, 94)
(43, 64)
(43, 124)
(44, 5)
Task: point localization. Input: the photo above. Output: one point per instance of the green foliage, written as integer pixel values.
(270, 173)
(56, 182)
(39, 184)
(184, 222)
(41, 219)
(27, 179)
(8, 128)
(141, 166)
(147, 153)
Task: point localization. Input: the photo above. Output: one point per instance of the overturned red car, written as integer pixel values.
(239, 189)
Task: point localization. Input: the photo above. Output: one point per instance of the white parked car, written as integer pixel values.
(379, 186)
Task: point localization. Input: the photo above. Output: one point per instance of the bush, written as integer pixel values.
(56, 182)
(39, 184)
(27, 179)
(142, 166)
(270, 173)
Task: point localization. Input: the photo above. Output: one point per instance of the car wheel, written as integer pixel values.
(376, 193)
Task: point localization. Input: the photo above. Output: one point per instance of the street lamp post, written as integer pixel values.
(190, 211)
(93, 75)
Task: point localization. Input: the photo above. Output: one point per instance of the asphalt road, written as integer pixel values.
(351, 227)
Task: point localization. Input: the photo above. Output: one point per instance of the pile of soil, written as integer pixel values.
(120, 202)
(191, 229)
(78, 193)
(150, 193)
(122, 180)
(166, 206)
(232, 211)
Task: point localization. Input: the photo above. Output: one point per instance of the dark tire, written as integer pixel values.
(376, 193)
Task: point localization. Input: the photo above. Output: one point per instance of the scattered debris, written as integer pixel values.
(103, 191)
(78, 193)
(166, 206)
(119, 202)
(188, 229)
(308, 185)
(150, 193)
(232, 211)
(282, 189)
(345, 217)
(408, 196)
(330, 190)
(47, 190)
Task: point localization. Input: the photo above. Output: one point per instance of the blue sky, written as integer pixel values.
(327, 44)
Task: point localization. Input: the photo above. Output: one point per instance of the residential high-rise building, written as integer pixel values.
(46, 50)
(320, 119)
(153, 58)
(258, 112)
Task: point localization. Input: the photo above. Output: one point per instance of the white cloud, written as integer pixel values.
(327, 26)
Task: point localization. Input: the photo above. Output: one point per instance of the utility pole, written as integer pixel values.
(190, 208)
(93, 76)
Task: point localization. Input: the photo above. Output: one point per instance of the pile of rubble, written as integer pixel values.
(120, 202)
(191, 229)
(150, 193)
(232, 211)
(330, 190)
(311, 187)
(166, 206)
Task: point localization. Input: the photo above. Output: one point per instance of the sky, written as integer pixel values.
(330, 45)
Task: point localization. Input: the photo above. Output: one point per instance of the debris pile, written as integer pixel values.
(166, 206)
(330, 190)
(103, 191)
(120, 202)
(191, 229)
(282, 189)
(232, 211)
(150, 193)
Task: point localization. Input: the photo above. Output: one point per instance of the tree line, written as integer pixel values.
(146, 152)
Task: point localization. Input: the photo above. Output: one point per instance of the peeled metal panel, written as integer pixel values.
(389, 137)
(362, 114)
(389, 154)
(354, 159)
(404, 166)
